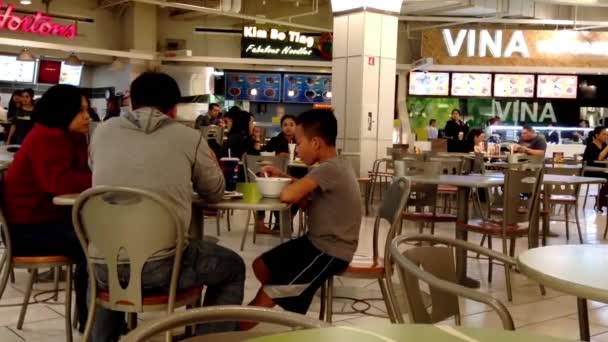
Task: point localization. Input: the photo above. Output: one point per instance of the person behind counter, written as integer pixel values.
(475, 137)
(431, 130)
(531, 143)
(21, 123)
(213, 117)
(240, 139)
(14, 104)
(455, 131)
(597, 150)
(553, 135)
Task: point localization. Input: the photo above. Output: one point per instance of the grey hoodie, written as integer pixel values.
(146, 149)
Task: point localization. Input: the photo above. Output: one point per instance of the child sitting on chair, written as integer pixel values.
(292, 272)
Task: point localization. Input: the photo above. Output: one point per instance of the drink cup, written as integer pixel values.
(230, 168)
(460, 135)
(292, 152)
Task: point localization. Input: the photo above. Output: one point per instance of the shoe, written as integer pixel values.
(261, 228)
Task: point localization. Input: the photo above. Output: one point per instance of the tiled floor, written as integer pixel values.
(553, 314)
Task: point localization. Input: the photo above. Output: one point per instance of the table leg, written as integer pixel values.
(583, 319)
(196, 222)
(462, 234)
(285, 224)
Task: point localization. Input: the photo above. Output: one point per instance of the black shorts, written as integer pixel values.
(300, 262)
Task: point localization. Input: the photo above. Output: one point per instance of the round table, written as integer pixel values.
(572, 269)
(404, 332)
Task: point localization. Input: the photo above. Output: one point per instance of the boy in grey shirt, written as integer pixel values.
(292, 272)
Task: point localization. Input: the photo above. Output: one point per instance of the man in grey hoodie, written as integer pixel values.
(147, 149)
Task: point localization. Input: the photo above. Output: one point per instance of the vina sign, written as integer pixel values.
(485, 44)
(39, 24)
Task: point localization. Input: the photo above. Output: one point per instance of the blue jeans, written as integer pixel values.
(204, 263)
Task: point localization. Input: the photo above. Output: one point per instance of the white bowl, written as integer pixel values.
(271, 187)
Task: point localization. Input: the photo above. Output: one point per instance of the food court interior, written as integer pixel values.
(462, 120)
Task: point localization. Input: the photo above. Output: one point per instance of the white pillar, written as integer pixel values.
(364, 68)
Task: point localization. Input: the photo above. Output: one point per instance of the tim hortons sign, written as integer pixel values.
(39, 23)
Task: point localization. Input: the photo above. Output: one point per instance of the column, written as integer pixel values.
(364, 69)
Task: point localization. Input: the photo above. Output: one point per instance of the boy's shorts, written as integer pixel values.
(300, 262)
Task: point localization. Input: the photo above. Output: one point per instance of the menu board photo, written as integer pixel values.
(514, 85)
(557, 86)
(12, 70)
(307, 88)
(471, 84)
(253, 87)
(70, 74)
(429, 83)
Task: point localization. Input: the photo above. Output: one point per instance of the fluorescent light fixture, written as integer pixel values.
(25, 2)
(73, 60)
(383, 5)
(26, 56)
(539, 128)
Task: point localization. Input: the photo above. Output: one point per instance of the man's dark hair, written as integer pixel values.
(527, 128)
(154, 89)
(288, 117)
(432, 121)
(30, 91)
(319, 123)
(58, 106)
(213, 105)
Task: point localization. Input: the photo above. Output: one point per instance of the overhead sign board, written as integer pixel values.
(516, 47)
(272, 43)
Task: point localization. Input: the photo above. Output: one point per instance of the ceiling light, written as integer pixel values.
(291, 93)
(328, 94)
(73, 60)
(384, 5)
(25, 2)
(117, 65)
(253, 92)
(26, 56)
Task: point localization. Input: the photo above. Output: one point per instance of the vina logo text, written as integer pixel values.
(38, 23)
(479, 45)
(521, 111)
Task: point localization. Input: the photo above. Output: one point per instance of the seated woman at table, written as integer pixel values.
(474, 138)
(241, 139)
(52, 161)
(597, 149)
(280, 143)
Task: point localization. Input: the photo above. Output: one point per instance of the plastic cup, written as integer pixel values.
(292, 152)
(230, 169)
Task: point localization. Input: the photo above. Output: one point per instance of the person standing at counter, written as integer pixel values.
(597, 150)
(455, 131)
(213, 117)
(431, 131)
(21, 123)
(531, 143)
(553, 135)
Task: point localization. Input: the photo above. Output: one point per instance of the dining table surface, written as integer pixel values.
(571, 269)
(404, 332)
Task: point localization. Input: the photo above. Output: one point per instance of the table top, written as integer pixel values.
(573, 269)
(557, 179)
(404, 332)
(605, 161)
(65, 200)
(464, 181)
(560, 166)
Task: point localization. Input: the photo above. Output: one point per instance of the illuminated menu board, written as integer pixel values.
(70, 74)
(429, 83)
(471, 84)
(513, 85)
(12, 70)
(557, 86)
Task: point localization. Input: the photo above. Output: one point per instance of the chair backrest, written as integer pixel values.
(521, 194)
(118, 223)
(213, 132)
(255, 163)
(565, 188)
(449, 166)
(421, 195)
(4, 231)
(220, 314)
(435, 266)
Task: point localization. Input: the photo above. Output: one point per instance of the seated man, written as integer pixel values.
(292, 272)
(147, 149)
(531, 143)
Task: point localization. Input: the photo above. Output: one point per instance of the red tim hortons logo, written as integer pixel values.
(39, 23)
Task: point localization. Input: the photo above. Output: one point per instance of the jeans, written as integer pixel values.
(54, 239)
(204, 263)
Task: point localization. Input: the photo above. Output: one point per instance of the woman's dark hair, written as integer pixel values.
(240, 123)
(432, 121)
(154, 89)
(58, 106)
(12, 105)
(30, 92)
(596, 131)
(287, 117)
(455, 110)
(474, 133)
(92, 113)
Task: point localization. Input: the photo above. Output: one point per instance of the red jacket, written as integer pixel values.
(50, 162)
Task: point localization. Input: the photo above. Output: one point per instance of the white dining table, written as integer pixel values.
(577, 270)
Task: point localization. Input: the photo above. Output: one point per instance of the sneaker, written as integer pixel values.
(261, 228)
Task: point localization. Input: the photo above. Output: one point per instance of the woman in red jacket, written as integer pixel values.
(52, 161)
